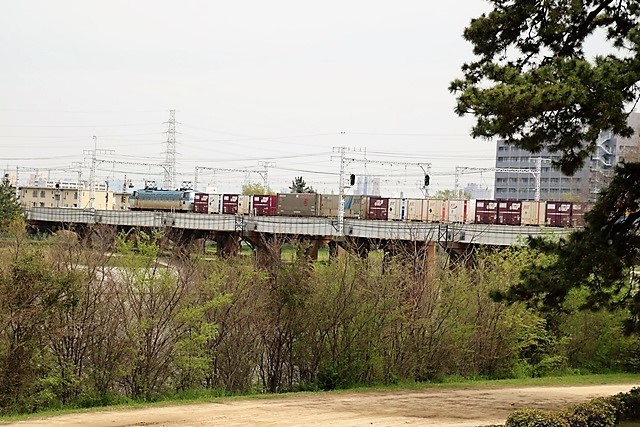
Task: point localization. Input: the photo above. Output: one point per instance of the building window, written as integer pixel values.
(42, 194)
(35, 193)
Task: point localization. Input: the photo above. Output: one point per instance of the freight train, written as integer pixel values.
(507, 212)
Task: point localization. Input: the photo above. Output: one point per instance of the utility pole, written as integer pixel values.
(92, 172)
(265, 173)
(539, 161)
(170, 153)
(17, 182)
(341, 187)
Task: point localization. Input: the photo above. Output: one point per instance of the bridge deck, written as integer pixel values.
(502, 235)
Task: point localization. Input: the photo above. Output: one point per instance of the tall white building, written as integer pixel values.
(367, 186)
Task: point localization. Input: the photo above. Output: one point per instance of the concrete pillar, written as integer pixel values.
(311, 248)
(431, 259)
(333, 249)
(266, 249)
(228, 244)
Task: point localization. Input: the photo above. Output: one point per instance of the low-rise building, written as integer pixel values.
(48, 197)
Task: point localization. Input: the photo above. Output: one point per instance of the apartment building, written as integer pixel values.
(585, 184)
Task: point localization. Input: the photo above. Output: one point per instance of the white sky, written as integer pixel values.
(279, 81)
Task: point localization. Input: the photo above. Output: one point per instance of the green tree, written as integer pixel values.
(32, 296)
(451, 194)
(255, 188)
(10, 208)
(601, 257)
(532, 83)
(298, 185)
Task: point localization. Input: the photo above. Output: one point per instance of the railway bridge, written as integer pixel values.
(263, 231)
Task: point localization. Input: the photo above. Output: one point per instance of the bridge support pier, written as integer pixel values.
(359, 245)
(266, 249)
(228, 244)
(310, 247)
(419, 255)
(459, 252)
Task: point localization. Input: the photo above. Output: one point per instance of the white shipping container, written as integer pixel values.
(244, 204)
(414, 209)
(215, 203)
(458, 211)
(396, 209)
(433, 210)
(532, 213)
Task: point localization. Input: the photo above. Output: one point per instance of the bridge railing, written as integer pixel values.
(502, 235)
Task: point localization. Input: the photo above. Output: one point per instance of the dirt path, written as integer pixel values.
(433, 407)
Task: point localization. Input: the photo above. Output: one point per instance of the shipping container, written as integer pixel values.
(532, 213)
(457, 211)
(396, 209)
(298, 204)
(414, 209)
(264, 205)
(201, 203)
(230, 203)
(558, 214)
(354, 206)
(486, 212)
(329, 205)
(433, 210)
(215, 203)
(578, 210)
(378, 208)
(509, 212)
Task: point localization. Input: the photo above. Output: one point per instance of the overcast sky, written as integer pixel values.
(251, 81)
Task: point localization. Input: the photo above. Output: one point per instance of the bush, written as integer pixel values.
(595, 413)
(600, 412)
(536, 418)
(627, 405)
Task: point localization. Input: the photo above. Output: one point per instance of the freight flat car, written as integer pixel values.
(501, 212)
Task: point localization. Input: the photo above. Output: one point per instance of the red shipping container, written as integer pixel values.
(230, 204)
(486, 212)
(578, 210)
(265, 205)
(558, 214)
(378, 208)
(509, 212)
(201, 203)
